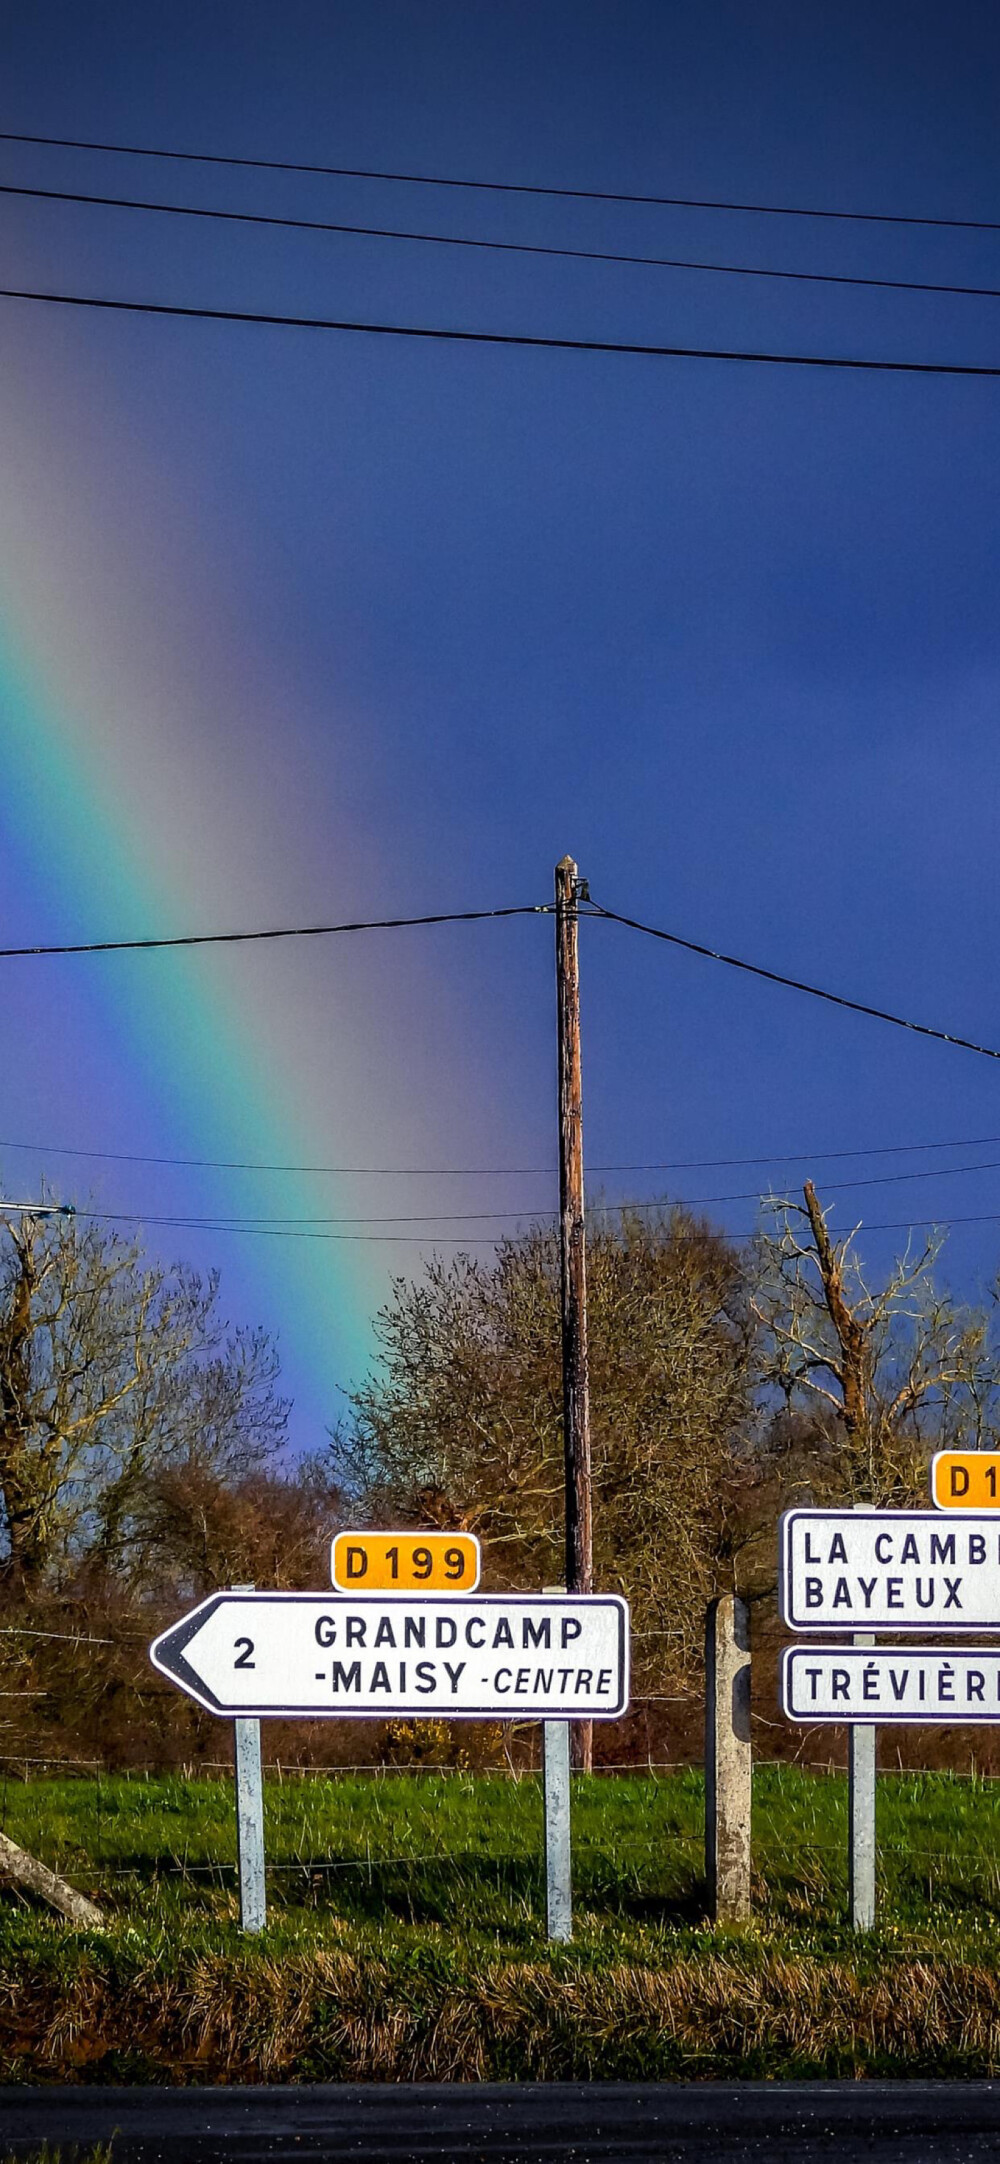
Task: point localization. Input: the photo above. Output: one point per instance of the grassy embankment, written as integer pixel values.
(406, 1936)
(103, 2154)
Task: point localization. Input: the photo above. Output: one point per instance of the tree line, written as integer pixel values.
(144, 1459)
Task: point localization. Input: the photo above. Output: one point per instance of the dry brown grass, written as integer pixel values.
(339, 2015)
(103, 2154)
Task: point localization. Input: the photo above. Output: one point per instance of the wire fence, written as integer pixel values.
(282, 1770)
(157, 1848)
(323, 1845)
(69, 1638)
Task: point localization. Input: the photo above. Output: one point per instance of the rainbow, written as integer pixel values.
(125, 810)
(189, 1040)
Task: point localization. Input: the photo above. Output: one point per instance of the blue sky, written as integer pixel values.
(728, 634)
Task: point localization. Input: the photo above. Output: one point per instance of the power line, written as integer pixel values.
(288, 931)
(798, 1157)
(280, 1232)
(794, 984)
(442, 335)
(590, 909)
(305, 1229)
(908, 1224)
(435, 1240)
(676, 1164)
(525, 339)
(478, 1217)
(477, 916)
(903, 1224)
(496, 247)
(878, 1179)
(503, 187)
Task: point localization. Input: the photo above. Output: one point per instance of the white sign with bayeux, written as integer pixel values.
(889, 1570)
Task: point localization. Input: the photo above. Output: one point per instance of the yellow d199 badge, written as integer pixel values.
(966, 1480)
(405, 1562)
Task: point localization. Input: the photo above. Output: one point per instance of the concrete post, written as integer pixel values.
(861, 1815)
(728, 1760)
(249, 1818)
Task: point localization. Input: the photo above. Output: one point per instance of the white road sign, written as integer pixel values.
(890, 1570)
(487, 1656)
(890, 1683)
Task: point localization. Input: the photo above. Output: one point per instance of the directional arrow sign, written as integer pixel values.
(892, 1683)
(891, 1570)
(486, 1656)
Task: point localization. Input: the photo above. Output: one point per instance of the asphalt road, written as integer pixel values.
(553, 2123)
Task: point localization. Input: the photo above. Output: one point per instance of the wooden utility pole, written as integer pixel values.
(573, 1255)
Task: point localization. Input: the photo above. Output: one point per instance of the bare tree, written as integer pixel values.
(463, 1421)
(111, 1367)
(202, 1528)
(883, 1372)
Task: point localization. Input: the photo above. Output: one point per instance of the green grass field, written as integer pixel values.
(406, 1934)
(463, 1854)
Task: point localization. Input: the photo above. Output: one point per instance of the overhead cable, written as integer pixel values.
(496, 247)
(435, 1172)
(441, 334)
(794, 984)
(502, 187)
(463, 1240)
(478, 1217)
(285, 931)
(590, 909)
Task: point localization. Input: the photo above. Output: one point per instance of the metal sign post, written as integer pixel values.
(558, 1849)
(556, 1794)
(862, 1761)
(250, 1825)
(249, 1818)
(861, 1816)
